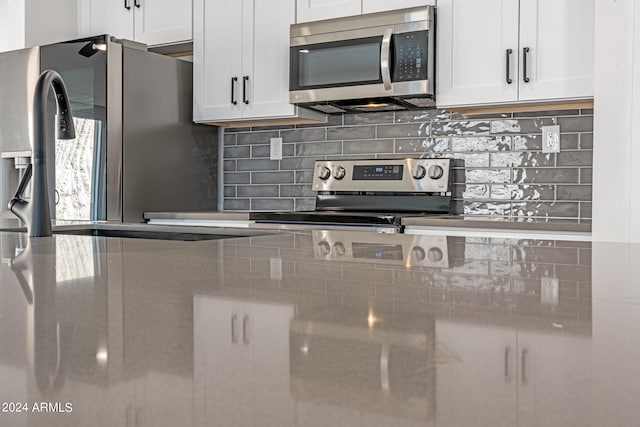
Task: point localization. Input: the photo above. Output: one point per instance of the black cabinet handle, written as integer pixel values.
(523, 373)
(136, 3)
(244, 89)
(233, 92)
(507, 369)
(509, 79)
(127, 4)
(525, 53)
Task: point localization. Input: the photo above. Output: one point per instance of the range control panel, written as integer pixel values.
(395, 175)
(396, 249)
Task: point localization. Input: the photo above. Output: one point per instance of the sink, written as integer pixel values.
(148, 234)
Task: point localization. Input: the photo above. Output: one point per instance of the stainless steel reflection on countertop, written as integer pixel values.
(262, 331)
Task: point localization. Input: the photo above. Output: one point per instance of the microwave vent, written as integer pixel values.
(328, 108)
(421, 102)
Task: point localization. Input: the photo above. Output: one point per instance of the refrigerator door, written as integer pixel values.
(81, 164)
(169, 162)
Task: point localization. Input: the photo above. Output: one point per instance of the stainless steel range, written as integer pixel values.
(373, 193)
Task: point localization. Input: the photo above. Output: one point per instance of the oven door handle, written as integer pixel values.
(385, 53)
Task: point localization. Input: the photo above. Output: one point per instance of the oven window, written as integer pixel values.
(343, 63)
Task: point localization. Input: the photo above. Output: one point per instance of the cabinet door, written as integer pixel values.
(266, 334)
(217, 60)
(265, 58)
(554, 385)
(163, 21)
(220, 360)
(477, 376)
(560, 38)
(315, 10)
(370, 6)
(106, 17)
(473, 39)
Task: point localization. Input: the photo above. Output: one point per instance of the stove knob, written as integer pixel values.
(435, 254)
(435, 171)
(339, 249)
(324, 172)
(324, 248)
(418, 253)
(418, 172)
(339, 172)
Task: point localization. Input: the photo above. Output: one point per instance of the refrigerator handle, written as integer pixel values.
(127, 4)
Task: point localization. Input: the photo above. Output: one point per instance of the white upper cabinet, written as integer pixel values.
(473, 43)
(154, 22)
(27, 23)
(560, 37)
(316, 10)
(371, 6)
(483, 47)
(217, 61)
(241, 62)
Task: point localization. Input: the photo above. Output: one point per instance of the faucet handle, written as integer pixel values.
(22, 186)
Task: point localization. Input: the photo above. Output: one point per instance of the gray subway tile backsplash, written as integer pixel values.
(546, 175)
(303, 135)
(281, 177)
(271, 204)
(258, 190)
(351, 132)
(459, 128)
(404, 130)
(586, 141)
(237, 177)
(574, 192)
(371, 118)
(500, 168)
(367, 146)
(576, 124)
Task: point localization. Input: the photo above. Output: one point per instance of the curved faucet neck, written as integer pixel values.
(36, 213)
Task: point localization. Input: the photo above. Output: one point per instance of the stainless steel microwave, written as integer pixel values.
(374, 62)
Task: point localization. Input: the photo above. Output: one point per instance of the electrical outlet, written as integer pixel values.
(551, 139)
(275, 268)
(276, 149)
(549, 287)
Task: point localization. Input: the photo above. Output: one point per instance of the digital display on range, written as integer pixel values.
(377, 251)
(378, 172)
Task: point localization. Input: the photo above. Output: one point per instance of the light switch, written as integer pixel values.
(276, 149)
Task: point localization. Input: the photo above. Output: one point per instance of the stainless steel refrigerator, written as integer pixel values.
(137, 148)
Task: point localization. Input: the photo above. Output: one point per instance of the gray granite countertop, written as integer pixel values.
(318, 328)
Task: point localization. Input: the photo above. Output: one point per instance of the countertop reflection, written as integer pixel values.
(318, 328)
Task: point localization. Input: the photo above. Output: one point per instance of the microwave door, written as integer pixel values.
(336, 64)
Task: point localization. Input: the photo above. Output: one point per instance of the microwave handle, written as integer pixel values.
(385, 51)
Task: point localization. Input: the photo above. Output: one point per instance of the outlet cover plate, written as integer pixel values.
(551, 139)
(276, 149)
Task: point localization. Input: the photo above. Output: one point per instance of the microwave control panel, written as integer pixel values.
(410, 56)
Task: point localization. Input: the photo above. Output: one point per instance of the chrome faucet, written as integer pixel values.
(36, 213)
